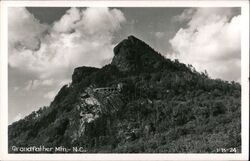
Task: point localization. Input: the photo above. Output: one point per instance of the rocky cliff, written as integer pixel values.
(133, 54)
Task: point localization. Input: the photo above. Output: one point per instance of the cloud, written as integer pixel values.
(210, 42)
(50, 53)
(186, 15)
(159, 35)
(16, 88)
(34, 84)
(51, 94)
(17, 117)
(24, 30)
(80, 37)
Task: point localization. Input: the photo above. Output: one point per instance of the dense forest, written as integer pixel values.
(160, 106)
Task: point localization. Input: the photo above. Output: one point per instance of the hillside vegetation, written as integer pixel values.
(163, 106)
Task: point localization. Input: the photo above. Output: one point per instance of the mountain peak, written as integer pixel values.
(132, 38)
(133, 54)
(130, 42)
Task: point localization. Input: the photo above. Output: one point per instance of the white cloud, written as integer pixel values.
(48, 82)
(81, 37)
(34, 84)
(17, 118)
(67, 22)
(24, 30)
(16, 88)
(211, 42)
(159, 35)
(186, 15)
(51, 94)
(50, 53)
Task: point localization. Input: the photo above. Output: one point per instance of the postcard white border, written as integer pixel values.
(244, 80)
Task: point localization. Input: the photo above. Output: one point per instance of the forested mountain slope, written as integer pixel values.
(141, 102)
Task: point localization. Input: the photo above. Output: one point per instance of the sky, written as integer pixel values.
(46, 44)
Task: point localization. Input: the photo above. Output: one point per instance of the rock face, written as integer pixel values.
(140, 103)
(82, 72)
(133, 54)
(93, 104)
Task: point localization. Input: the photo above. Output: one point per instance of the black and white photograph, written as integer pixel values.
(124, 80)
